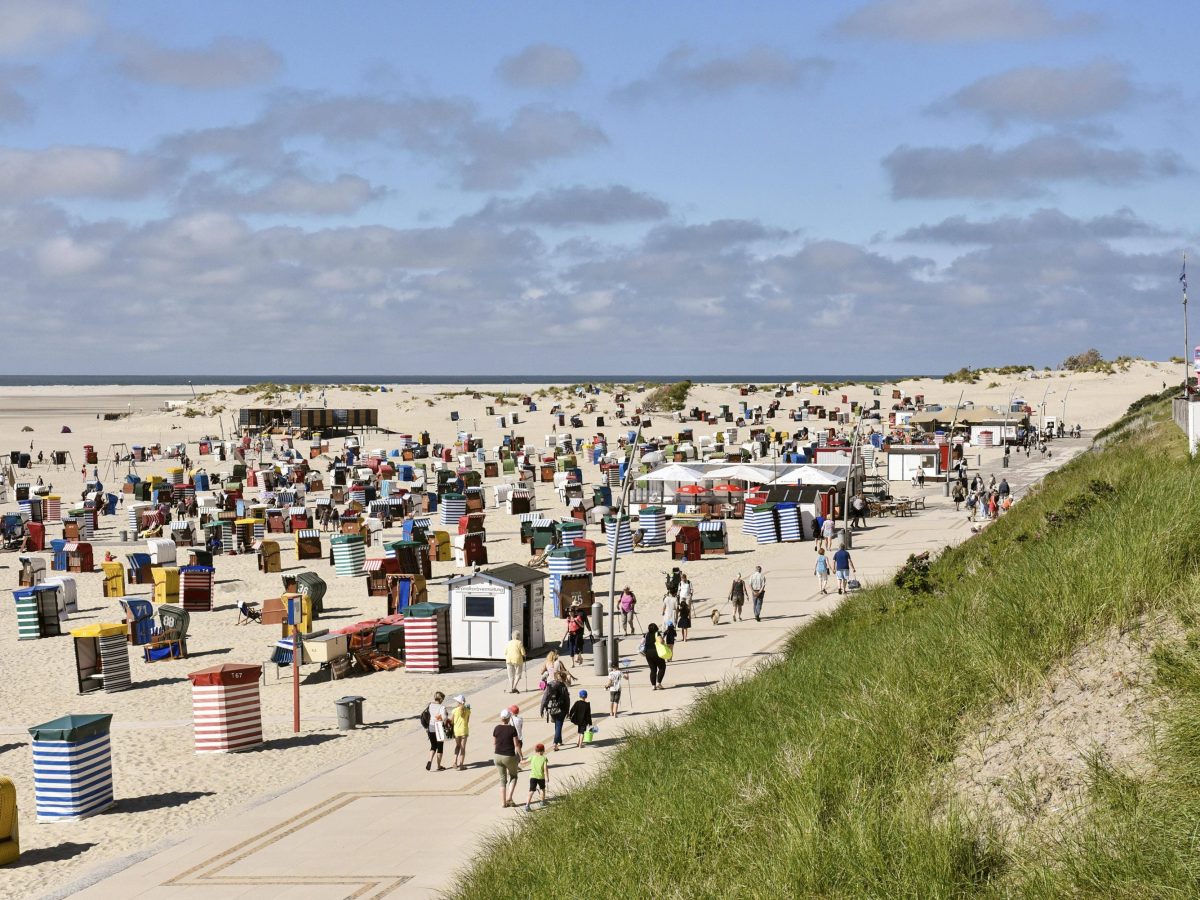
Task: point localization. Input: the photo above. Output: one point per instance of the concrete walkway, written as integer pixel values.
(380, 825)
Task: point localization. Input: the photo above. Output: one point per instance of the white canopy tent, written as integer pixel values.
(741, 472)
(809, 475)
(675, 472)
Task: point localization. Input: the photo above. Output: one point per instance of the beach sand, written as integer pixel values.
(162, 786)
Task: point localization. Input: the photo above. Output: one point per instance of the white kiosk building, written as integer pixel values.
(488, 605)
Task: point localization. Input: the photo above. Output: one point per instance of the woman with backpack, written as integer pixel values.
(558, 704)
(654, 649)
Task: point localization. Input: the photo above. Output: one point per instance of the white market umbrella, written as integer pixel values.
(741, 472)
(675, 472)
(808, 475)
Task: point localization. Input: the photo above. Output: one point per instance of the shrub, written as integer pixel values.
(667, 397)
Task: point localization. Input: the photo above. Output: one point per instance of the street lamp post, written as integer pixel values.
(1042, 426)
(950, 442)
(847, 540)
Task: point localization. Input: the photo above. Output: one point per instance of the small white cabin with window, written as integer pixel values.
(488, 605)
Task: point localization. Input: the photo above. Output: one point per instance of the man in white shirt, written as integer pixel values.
(758, 589)
(439, 724)
(685, 589)
(517, 722)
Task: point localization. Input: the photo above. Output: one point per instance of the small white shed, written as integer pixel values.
(903, 461)
(487, 606)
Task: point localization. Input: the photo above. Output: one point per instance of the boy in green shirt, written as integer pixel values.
(539, 774)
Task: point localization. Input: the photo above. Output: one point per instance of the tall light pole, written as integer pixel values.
(1042, 427)
(613, 655)
(1187, 349)
(1062, 415)
(847, 541)
(1004, 430)
(950, 441)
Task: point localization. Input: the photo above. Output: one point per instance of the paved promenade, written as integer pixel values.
(380, 825)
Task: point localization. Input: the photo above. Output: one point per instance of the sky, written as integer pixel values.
(878, 186)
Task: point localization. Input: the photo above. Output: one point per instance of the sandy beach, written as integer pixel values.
(162, 786)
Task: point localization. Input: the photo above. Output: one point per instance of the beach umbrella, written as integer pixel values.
(675, 472)
(742, 472)
(809, 475)
(729, 489)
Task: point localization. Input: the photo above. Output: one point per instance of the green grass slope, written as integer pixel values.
(814, 778)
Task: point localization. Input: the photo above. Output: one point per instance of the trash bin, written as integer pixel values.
(356, 706)
(345, 713)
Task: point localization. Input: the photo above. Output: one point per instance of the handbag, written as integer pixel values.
(853, 584)
(663, 649)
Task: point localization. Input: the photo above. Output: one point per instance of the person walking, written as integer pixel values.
(539, 775)
(558, 702)
(658, 665)
(958, 495)
(827, 528)
(684, 621)
(684, 594)
(628, 606)
(972, 506)
(758, 587)
(843, 566)
(821, 570)
(516, 721)
(576, 625)
(506, 757)
(581, 717)
(435, 721)
(737, 596)
(1003, 489)
(858, 510)
(669, 604)
(460, 719)
(514, 659)
(616, 679)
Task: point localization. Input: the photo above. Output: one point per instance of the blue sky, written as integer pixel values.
(892, 185)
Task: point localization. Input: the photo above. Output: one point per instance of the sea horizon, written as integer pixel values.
(232, 380)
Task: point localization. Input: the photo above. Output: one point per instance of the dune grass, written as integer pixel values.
(817, 777)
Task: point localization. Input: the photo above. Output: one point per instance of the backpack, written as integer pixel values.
(425, 720)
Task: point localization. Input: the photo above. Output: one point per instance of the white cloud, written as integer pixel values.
(72, 171)
(225, 62)
(541, 66)
(288, 193)
(685, 72)
(1022, 170)
(577, 205)
(1045, 93)
(928, 21)
(30, 25)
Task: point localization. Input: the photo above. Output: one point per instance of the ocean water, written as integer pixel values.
(124, 380)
